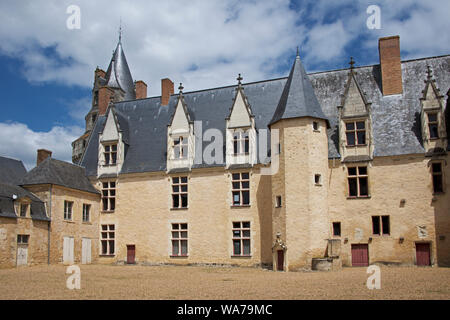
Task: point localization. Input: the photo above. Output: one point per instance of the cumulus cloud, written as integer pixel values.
(20, 142)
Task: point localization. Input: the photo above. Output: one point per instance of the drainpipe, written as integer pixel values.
(50, 216)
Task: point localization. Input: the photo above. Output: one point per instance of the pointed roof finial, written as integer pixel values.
(351, 63)
(239, 79)
(298, 52)
(181, 88)
(429, 72)
(120, 30)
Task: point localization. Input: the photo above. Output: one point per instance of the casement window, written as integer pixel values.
(241, 143)
(358, 185)
(179, 239)
(436, 171)
(110, 154)
(179, 192)
(278, 202)
(86, 212)
(107, 239)
(381, 225)
(355, 132)
(68, 207)
(433, 125)
(180, 148)
(317, 179)
(23, 238)
(241, 189)
(336, 229)
(241, 238)
(23, 209)
(109, 196)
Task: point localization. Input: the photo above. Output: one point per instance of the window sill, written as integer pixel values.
(318, 131)
(69, 221)
(179, 256)
(277, 207)
(356, 146)
(107, 255)
(241, 256)
(318, 184)
(179, 209)
(240, 206)
(86, 222)
(109, 165)
(107, 211)
(360, 197)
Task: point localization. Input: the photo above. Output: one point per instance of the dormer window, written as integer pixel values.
(355, 132)
(110, 154)
(241, 144)
(180, 148)
(433, 125)
(23, 209)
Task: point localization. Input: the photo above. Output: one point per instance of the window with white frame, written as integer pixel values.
(109, 196)
(107, 239)
(241, 238)
(180, 147)
(241, 142)
(179, 192)
(240, 185)
(110, 154)
(179, 239)
(68, 207)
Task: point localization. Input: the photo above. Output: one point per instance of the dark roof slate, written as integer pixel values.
(61, 173)
(11, 170)
(298, 98)
(395, 119)
(7, 204)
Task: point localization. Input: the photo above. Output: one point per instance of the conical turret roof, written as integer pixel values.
(298, 98)
(118, 74)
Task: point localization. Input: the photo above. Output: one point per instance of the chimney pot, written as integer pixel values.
(141, 89)
(391, 66)
(42, 154)
(167, 89)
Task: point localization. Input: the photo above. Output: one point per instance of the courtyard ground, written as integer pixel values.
(195, 282)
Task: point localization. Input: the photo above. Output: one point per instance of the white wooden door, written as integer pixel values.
(85, 251)
(68, 250)
(22, 254)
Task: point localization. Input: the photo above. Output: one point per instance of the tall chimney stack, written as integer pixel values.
(141, 89)
(42, 154)
(167, 89)
(104, 97)
(391, 67)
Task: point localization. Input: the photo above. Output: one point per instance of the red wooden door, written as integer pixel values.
(280, 260)
(360, 255)
(131, 253)
(423, 254)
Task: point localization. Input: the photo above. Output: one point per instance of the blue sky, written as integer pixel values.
(46, 69)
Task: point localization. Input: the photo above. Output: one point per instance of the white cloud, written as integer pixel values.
(20, 142)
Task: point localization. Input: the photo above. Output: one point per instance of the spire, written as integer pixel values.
(180, 88)
(239, 79)
(298, 98)
(352, 64)
(120, 31)
(118, 74)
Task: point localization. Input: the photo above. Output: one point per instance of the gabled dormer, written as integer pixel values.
(240, 131)
(113, 143)
(180, 137)
(355, 125)
(434, 134)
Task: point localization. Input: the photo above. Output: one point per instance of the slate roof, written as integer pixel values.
(7, 204)
(395, 119)
(298, 98)
(11, 170)
(61, 173)
(118, 74)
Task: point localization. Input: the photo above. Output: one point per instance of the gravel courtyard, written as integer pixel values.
(189, 282)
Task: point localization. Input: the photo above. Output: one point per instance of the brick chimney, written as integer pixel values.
(100, 73)
(104, 97)
(141, 89)
(391, 67)
(167, 89)
(42, 154)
